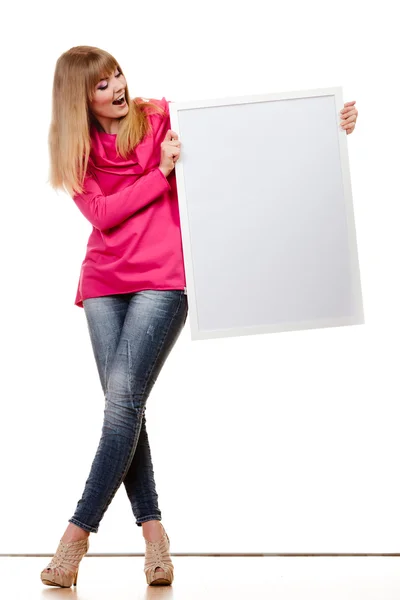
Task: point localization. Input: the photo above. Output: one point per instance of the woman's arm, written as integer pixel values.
(104, 212)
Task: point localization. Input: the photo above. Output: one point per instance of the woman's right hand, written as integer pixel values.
(170, 152)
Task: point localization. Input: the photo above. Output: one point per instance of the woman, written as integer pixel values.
(116, 158)
(116, 161)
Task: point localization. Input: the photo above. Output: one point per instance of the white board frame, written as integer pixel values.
(189, 178)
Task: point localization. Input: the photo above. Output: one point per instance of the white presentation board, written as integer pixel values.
(266, 214)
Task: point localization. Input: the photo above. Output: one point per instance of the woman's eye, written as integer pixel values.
(105, 87)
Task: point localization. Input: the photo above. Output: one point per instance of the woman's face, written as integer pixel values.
(106, 92)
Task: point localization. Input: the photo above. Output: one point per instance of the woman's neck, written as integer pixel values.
(100, 127)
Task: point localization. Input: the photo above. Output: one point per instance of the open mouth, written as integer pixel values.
(120, 101)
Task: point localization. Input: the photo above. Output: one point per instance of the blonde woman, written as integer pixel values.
(115, 157)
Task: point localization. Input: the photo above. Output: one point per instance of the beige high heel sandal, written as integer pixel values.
(157, 555)
(64, 566)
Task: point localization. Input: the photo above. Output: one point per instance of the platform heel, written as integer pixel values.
(157, 555)
(63, 568)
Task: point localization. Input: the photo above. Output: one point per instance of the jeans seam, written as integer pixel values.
(83, 525)
(148, 518)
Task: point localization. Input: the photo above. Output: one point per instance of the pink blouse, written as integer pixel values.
(136, 240)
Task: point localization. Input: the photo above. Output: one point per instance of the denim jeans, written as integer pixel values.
(132, 336)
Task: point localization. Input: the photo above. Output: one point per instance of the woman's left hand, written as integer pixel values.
(349, 114)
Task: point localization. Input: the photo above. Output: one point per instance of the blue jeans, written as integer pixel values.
(132, 336)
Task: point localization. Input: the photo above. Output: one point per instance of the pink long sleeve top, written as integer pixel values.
(135, 243)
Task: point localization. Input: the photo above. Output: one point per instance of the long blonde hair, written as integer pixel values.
(77, 72)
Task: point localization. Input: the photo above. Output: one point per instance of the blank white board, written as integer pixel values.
(266, 212)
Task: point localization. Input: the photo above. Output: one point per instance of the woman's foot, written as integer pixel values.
(73, 533)
(63, 568)
(153, 532)
(158, 566)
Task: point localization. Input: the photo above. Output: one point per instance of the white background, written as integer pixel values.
(270, 443)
